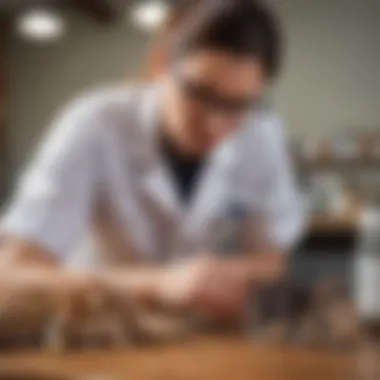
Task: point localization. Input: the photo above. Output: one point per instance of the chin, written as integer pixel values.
(208, 146)
(202, 150)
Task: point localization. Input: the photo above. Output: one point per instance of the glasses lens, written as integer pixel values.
(210, 99)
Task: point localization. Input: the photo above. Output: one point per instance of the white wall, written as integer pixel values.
(331, 80)
(332, 77)
(44, 77)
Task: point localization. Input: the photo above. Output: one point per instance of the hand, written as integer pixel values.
(206, 284)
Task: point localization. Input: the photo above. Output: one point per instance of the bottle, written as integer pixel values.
(366, 272)
(233, 232)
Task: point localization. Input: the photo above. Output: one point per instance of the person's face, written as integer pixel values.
(206, 96)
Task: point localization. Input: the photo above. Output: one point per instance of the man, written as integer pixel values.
(143, 174)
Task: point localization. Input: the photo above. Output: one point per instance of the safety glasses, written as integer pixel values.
(212, 101)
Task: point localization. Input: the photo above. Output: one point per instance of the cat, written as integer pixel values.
(101, 318)
(97, 317)
(24, 310)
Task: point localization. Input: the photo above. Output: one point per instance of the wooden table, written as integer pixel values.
(206, 359)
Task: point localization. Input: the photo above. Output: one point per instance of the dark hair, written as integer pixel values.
(242, 27)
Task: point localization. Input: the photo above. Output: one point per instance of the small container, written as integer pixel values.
(231, 239)
(345, 149)
(366, 276)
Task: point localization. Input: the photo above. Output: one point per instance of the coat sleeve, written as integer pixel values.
(279, 198)
(52, 202)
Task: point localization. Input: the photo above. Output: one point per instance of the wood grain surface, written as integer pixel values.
(201, 359)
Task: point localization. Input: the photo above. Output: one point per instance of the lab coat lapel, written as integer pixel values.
(216, 186)
(215, 189)
(156, 181)
(159, 187)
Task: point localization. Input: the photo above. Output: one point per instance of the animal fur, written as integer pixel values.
(95, 318)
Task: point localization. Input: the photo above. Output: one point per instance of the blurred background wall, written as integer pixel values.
(329, 92)
(331, 79)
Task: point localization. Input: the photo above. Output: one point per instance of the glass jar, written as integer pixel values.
(366, 271)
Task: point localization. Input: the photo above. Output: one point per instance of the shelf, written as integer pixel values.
(339, 165)
(324, 222)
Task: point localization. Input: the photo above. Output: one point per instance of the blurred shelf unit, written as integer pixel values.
(339, 176)
(352, 151)
(324, 222)
(336, 164)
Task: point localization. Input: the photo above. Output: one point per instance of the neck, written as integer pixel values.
(171, 135)
(173, 144)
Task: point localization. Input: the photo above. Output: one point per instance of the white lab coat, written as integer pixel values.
(99, 194)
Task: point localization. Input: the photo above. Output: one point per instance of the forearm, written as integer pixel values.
(28, 263)
(269, 266)
(19, 254)
(141, 283)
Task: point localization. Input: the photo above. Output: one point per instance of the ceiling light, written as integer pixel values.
(150, 15)
(41, 25)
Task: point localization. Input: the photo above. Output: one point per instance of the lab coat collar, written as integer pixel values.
(214, 186)
(157, 182)
(217, 186)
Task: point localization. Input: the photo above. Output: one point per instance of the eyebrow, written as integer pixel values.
(225, 99)
(249, 101)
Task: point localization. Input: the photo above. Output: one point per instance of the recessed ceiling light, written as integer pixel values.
(150, 15)
(41, 25)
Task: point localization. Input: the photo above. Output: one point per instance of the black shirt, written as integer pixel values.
(185, 170)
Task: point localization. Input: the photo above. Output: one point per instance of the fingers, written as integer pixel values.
(223, 289)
